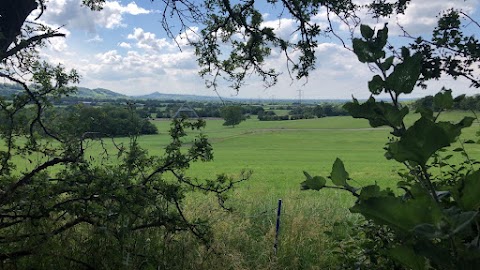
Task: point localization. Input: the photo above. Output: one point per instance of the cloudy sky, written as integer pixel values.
(125, 49)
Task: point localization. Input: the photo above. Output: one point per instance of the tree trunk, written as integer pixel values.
(13, 14)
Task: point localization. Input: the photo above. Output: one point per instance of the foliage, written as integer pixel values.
(241, 25)
(66, 195)
(467, 103)
(362, 245)
(435, 222)
(233, 115)
(66, 209)
(105, 121)
(304, 112)
(272, 117)
(320, 110)
(110, 120)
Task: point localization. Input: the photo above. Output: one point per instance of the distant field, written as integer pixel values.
(278, 151)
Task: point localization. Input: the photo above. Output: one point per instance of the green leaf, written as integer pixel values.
(372, 191)
(362, 50)
(376, 85)
(307, 175)
(405, 75)
(339, 175)
(428, 231)
(466, 192)
(459, 98)
(369, 192)
(443, 99)
(388, 63)
(454, 130)
(460, 220)
(408, 257)
(366, 31)
(436, 254)
(420, 142)
(382, 36)
(466, 122)
(399, 214)
(315, 183)
(405, 52)
(377, 113)
(425, 112)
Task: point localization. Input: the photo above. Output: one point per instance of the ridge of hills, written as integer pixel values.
(8, 90)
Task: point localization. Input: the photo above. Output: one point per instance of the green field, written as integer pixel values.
(277, 153)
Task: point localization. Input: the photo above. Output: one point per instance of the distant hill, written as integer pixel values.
(100, 93)
(162, 96)
(8, 90)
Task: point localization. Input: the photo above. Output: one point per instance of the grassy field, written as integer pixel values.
(277, 152)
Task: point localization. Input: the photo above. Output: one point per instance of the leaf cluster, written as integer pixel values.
(435, 221)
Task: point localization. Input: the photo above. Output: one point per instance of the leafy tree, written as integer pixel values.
(105, 121)
(468, 103)
(67, 207)
(65, 195)
(233, 115)
(434, 223)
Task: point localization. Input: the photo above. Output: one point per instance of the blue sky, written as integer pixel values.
(124, 48)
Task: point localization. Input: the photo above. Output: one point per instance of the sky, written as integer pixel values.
(125, 49)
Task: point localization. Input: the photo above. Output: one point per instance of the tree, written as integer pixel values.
(434, 223)
(233, 115)
(69, 207)
(65, 196)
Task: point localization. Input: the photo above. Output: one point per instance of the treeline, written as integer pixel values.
(203, 110)
(468, 103)
(304, 112)
(76, 120)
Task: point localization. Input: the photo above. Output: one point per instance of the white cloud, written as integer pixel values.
(95, 39)
(148, 41)
(421, 16)
(338, 74)
(131, 8)
(110, 57)
(73, 15)
(139, 73)
(113, 65)
(124, 45)
(141, 61)
(184, 39)
(58, 44)
(283, 28)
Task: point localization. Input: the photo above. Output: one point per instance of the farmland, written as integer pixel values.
(277, 152)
